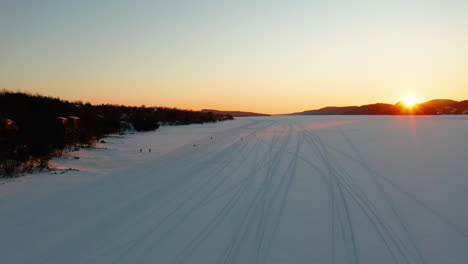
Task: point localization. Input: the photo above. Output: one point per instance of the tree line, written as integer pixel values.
(35, 128)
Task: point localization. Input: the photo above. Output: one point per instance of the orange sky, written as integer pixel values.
(271, 57)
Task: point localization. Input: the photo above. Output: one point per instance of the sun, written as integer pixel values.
(409, 101)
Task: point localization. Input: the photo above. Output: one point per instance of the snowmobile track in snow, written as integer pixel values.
(264, 190)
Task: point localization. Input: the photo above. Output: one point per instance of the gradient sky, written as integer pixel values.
(252, 55)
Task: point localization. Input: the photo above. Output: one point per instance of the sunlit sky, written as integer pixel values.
(253, 55)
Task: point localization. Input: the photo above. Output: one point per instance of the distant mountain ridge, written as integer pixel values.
(432, 107)
(233, 113)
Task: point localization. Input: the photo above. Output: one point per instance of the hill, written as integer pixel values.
(329, 110)
(432, 107)
(233, 113)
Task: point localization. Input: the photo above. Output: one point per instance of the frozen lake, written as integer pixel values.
(273, 190)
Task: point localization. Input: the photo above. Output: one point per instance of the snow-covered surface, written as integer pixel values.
(285, 189)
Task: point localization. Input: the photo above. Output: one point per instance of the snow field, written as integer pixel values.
(284, 189)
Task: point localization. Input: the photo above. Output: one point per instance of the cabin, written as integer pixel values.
(75, 120)
(62, 120)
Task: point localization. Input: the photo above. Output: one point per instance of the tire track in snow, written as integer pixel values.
(230, 253)
(285, 184)
(340, 210)
(222, 214)
(253, 214)
(218, 218)
(369, 211)
(211, 176)
(374, 176)
(395, 245)
(456, 228)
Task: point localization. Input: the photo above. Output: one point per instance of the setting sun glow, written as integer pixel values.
(409, 100)
(270, 57)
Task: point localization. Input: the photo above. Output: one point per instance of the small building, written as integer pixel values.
(75, 120)
(62, 120)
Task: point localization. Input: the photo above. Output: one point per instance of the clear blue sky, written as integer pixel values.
(267, 56)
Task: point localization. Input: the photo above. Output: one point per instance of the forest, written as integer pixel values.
(36, 128)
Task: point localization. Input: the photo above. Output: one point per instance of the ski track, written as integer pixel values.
(230, 200)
